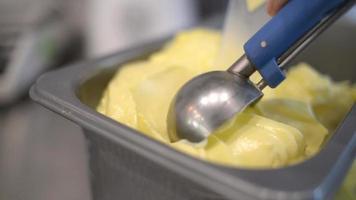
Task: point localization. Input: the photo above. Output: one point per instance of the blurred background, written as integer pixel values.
(43, 156)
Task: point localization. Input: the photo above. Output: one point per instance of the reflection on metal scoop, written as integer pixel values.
(207, 101)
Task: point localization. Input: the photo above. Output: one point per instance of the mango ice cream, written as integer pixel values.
(289, 124)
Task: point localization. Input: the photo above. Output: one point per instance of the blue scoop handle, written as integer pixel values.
(291, 23)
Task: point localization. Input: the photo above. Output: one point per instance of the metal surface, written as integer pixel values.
(209, 100)
(126, 164)
(242, 67)
(206, 102)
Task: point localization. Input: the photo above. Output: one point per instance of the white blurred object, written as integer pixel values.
(243, 19)
(118, 24)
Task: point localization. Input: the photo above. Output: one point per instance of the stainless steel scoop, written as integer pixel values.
(207, 101)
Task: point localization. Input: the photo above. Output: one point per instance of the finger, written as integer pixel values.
(273, 6)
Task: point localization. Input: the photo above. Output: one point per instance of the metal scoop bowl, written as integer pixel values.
(204, 103)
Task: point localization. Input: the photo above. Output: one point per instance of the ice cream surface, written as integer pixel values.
(288, 125)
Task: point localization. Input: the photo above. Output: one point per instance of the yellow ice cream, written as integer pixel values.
(254, 4)
(288, 125)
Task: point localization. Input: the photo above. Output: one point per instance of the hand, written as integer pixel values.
(273, 6)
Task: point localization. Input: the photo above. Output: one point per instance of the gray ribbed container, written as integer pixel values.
(128, 165)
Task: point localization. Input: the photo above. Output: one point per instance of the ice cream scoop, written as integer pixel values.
(207, 101)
